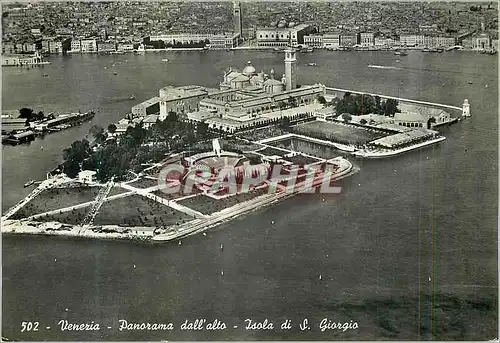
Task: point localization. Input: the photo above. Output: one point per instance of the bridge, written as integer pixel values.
(396, 98)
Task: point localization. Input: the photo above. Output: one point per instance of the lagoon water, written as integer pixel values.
(408, 249)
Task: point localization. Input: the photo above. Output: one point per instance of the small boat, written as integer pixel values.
(404, 53)
(132, 97)
(320, 277)
(312, 64)
(29, 183)
(222, 247)
(471, 83)
(164, 60)
(425, 50)
(45, 75)
(41, 148)
(115, 73)
(397, 53)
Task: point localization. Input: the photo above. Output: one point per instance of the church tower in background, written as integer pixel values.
(237, 19)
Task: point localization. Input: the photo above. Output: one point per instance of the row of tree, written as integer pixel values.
(360, 104)
(31, 116)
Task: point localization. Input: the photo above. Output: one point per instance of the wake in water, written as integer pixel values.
(381, 67)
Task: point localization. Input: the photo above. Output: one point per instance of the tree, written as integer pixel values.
(321, 99)
(74, 157)
(391, 107)
(284, 122)
(25, 113)
(112, 128)
(346, 117)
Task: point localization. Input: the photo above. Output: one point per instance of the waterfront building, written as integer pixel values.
(238, 29)
(411, 40)
(145, 108)
(315, 41)
(23, 60)
(348, 40)
(76, 45)
(384, 42)
(106, 46)
(481, 42)
(494, 44)
(366, 39)
(282, 36)
(331, 40)
(125, 47)
(88, 45)
(418, 116)
(186, 99)
(217, 41)
(10, 125)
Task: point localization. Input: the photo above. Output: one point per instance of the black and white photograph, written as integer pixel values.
(249, 171)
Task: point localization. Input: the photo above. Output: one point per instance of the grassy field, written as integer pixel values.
(144, 183)
(117, 190)
(136, 210)
(272, 151)
(207, 205)
(337, 132)
(56, 198)
(73, 217)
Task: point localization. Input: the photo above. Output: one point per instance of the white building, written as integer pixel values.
(76, 45)
(366, 39)
(282, 36)
(315, 41)
(88, 45)
(87, 176)
(331, 40)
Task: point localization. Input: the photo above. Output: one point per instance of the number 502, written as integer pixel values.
(29, 326)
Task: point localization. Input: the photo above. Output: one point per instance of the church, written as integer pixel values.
(250, 98)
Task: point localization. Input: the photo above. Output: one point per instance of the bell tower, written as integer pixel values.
(290, 69)
(237, 19)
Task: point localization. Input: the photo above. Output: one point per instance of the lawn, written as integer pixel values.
(73, 217)
(337, 132)
(56, 198)
(272, 151)
(144, 183)
(136, 210)
(207, 205)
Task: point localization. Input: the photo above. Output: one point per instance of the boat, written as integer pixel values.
(29, 183)
(397, 53)
(132, 97)
(433, 50)
(404, 53)
(45, 75)
(312, 64)
(165, 60)
(115, 73)
(425, 50)
(471, 83)
(440, 50)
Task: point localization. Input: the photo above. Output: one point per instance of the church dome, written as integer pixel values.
(249, 69)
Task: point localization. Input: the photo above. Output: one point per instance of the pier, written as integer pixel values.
(395, 98)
